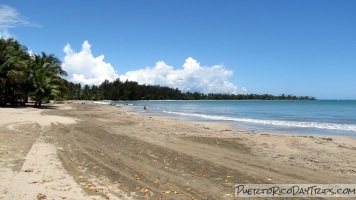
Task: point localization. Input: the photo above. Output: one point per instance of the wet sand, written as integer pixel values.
(76, 151)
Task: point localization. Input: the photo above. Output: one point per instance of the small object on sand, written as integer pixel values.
(41, 196)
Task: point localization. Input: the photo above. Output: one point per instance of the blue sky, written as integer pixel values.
(301, 47)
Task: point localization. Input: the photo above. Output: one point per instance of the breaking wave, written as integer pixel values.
(319, 125)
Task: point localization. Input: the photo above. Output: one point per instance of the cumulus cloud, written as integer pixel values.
(83, 67)
(11, 18)
(193, 77)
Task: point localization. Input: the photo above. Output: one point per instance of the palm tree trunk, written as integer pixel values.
(12, 96)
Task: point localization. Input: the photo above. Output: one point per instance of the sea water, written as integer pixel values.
(322, 117)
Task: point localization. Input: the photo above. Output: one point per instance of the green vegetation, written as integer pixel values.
(24, 75)
(130, 90)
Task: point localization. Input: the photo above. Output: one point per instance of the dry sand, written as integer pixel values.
(106, 152)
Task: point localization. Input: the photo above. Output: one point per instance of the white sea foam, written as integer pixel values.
(101, 102)
(319, 125)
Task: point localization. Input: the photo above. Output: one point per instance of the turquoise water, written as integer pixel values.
(325, 117)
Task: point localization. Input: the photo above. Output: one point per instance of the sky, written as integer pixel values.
(299, 47)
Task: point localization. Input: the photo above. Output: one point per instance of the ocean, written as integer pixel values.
(319, 117)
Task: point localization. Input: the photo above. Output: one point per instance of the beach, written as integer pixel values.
(82, 151)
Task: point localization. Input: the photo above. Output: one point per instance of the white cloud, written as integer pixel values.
(83, 67)
(193, 77)
(11, 18)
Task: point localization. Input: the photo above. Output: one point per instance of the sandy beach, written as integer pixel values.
(80, 151)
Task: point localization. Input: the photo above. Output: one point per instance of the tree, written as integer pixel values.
(13, 58)
(86, 92)
(45, 71)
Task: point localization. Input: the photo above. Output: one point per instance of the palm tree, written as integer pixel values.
(13, 59)
(44, 74)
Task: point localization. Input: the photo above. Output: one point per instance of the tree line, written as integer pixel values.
(40, 77)
(130, 90)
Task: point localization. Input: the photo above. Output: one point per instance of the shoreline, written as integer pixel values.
(267, 146)
(316, 127)
(237, 126)
(117, 153)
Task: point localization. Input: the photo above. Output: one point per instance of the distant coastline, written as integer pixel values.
(131, 90)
